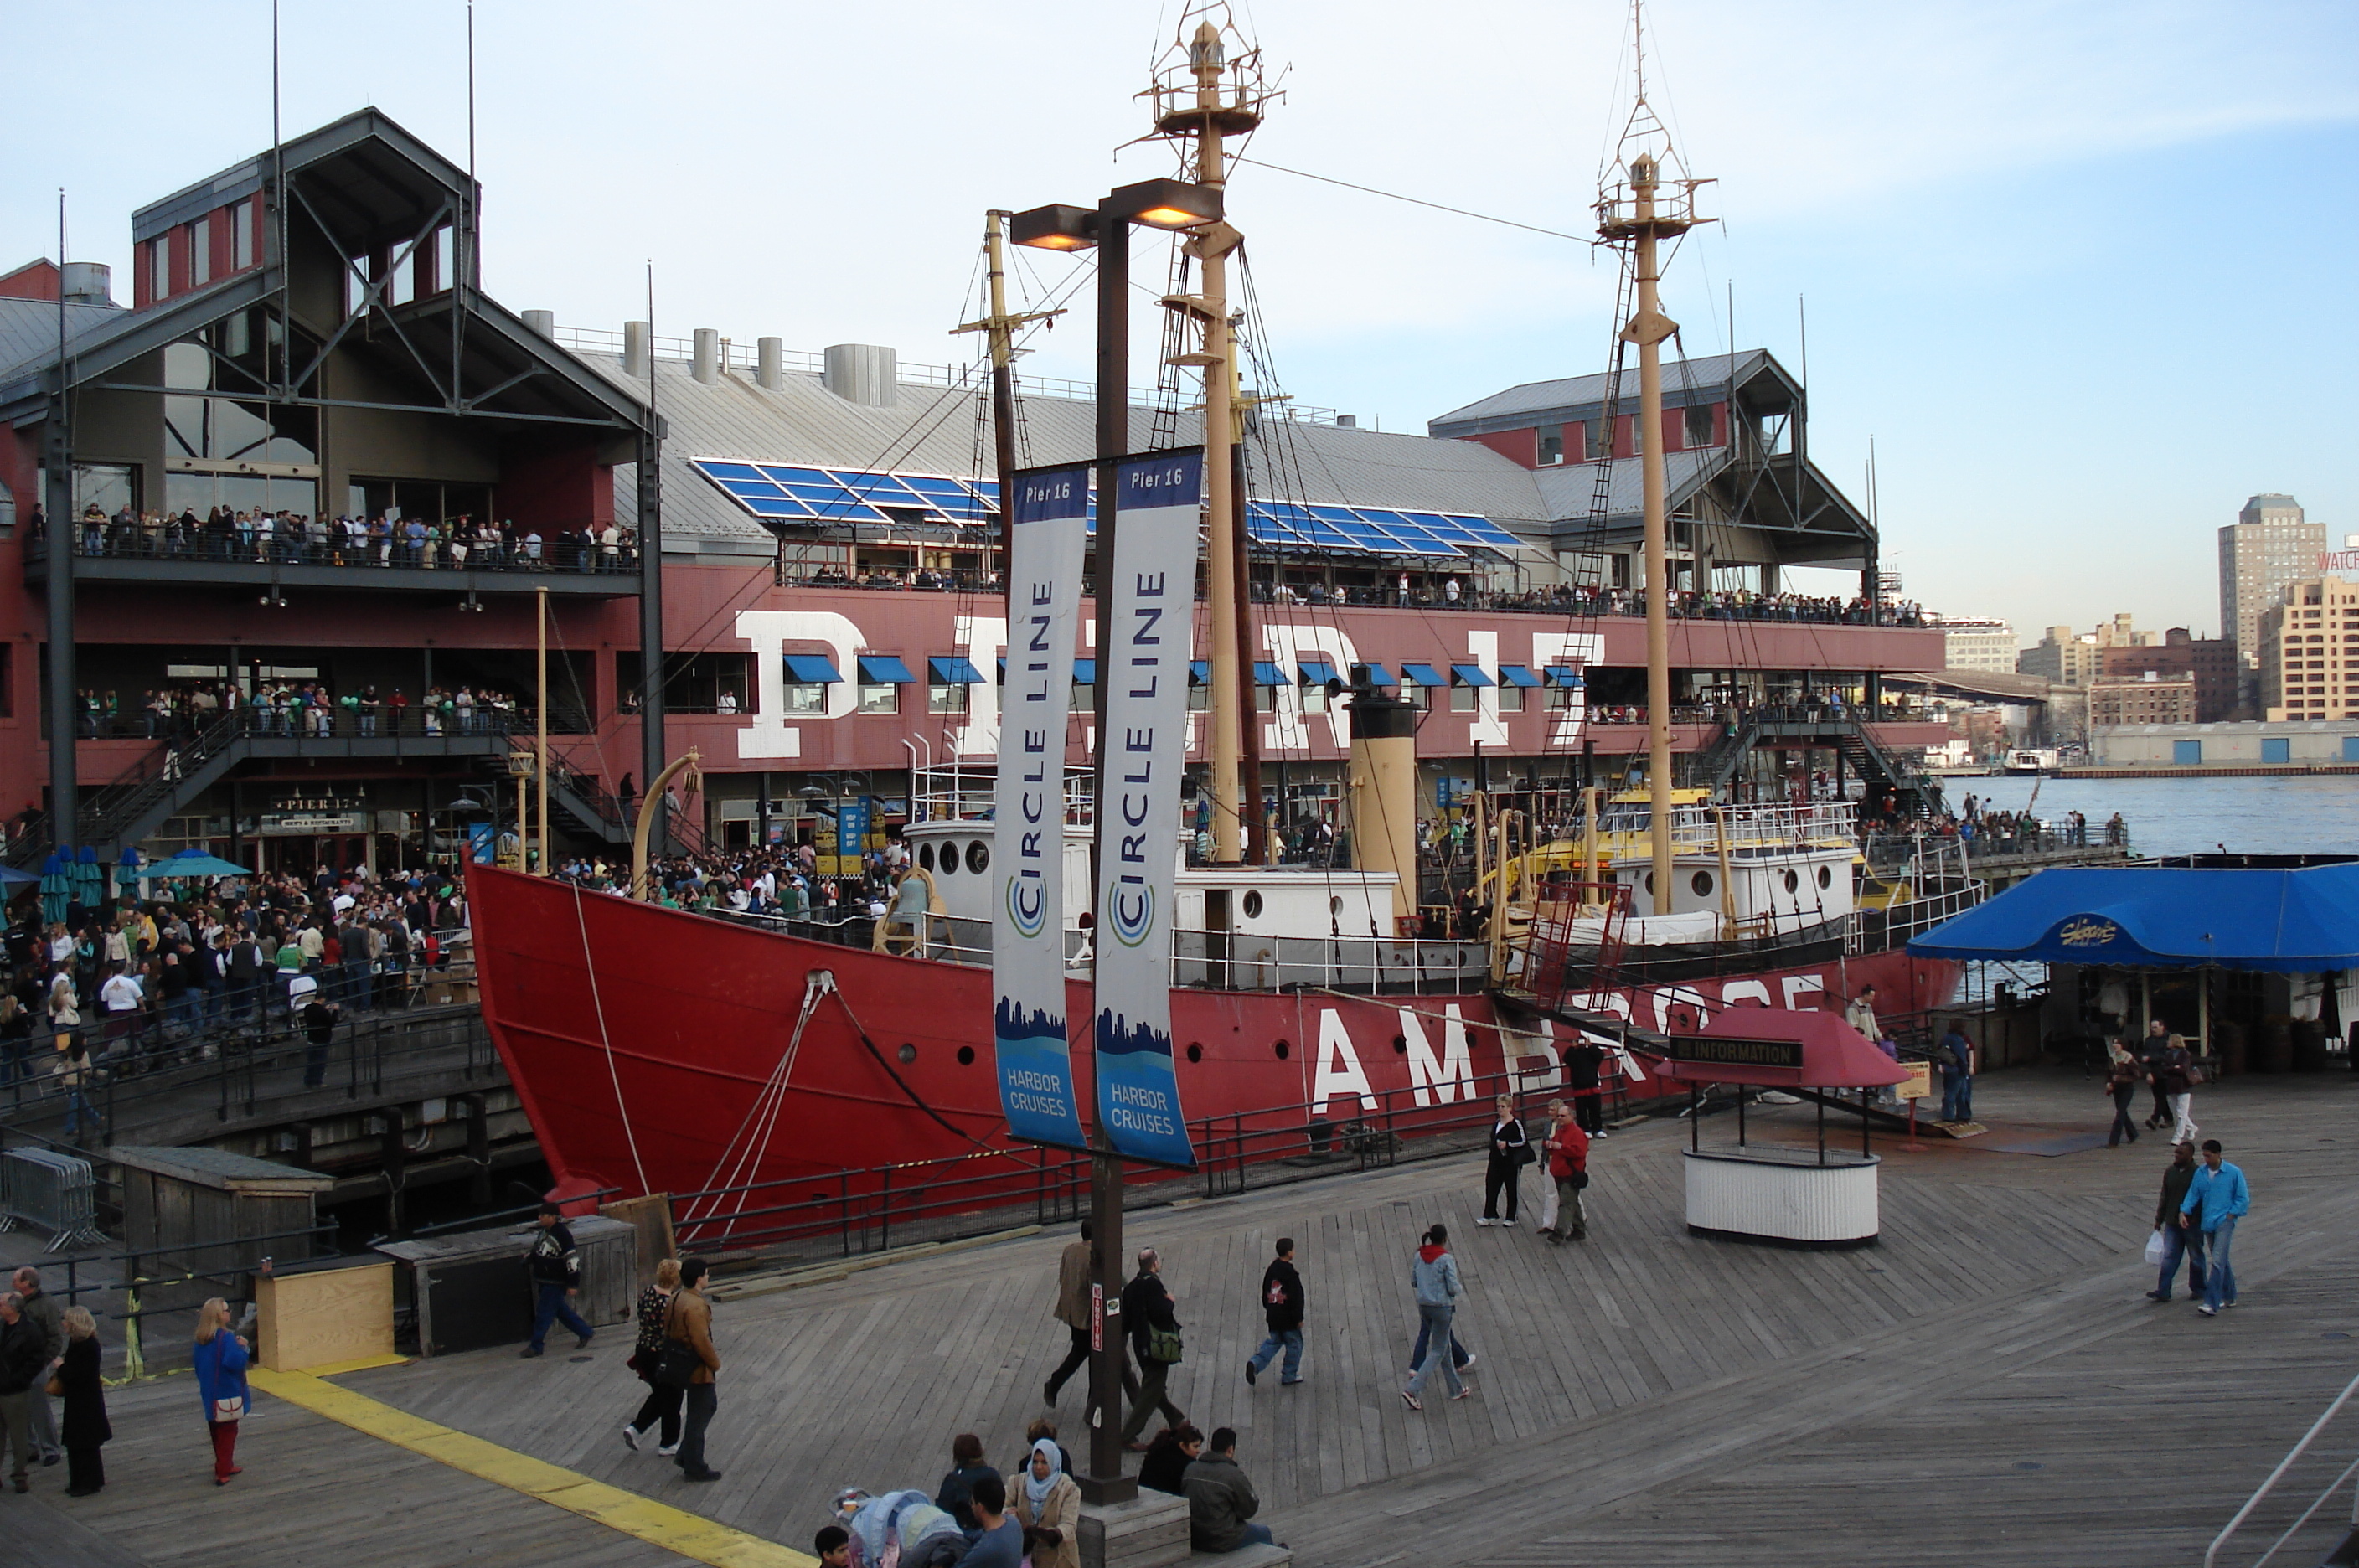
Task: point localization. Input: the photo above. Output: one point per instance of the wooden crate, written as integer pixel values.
(321, 1317)
(1149, 1532)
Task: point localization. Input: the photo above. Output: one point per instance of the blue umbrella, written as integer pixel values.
(11, 877)
(89, 881)
(126, 871)
(54, 888)
(193, 864)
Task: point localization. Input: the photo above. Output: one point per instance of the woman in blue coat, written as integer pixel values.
(221, 1360)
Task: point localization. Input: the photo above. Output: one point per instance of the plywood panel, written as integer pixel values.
(323, 1317)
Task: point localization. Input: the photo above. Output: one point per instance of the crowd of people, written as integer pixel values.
(293, 538)
(309, 709)
(137, 984)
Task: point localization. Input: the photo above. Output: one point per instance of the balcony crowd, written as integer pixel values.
(293, 539)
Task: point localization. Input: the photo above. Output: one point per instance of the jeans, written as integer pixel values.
(1436, 1321)
(2121, 1127)
(1257, 1535)
(315, 1064)
(2182, 1118)
(2179, 1242)
(1288, 1340)
(702, 1399)
(1957, 1098)
(78, 1105)
(554, 1307)
(2220, 1290)
(1457, 1355)
(356, 986)
(1150, 1399)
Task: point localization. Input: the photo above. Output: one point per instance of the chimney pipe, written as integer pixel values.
(541, 322)
(706, 365)
(638, 348)
(770, 371)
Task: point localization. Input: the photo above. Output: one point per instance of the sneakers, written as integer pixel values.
(2207, 1311)
(630, 1437)
(1507, 1224)
(1251, 1373)
(1487, 1221)
(1468, 1364)
(531, 1351)
(667, 1452)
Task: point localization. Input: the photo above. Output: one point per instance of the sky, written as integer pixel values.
(2080, 271)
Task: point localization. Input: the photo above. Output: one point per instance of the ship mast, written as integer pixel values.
(1206, 99)
(999, 328)
(1640, 212)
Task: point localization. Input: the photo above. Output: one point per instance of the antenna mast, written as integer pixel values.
(1639, 207)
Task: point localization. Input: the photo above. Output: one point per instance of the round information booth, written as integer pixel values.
(1773, 1193)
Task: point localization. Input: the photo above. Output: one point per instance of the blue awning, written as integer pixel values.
(952, 670)
(1518, 675)
(1200, 671)
(1472, 675)
(2302, 921)
(1316, 671)
(1379, 675)
(883, 668)
(1085, 672)
(1565, 675)
(1268, 674)
(1423, 674)
(812, 670)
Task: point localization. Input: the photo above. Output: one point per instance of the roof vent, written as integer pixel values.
(88, 283)
(638, 348)
(770, 364)
(541, 322)
(1347, 421)
(705, 365)
(863, 373)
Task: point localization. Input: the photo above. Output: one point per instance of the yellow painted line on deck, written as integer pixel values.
(658, 1524)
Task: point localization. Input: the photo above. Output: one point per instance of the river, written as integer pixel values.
(2289, 815)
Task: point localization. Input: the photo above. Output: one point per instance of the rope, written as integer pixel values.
(767, 1105)
(622, 1111)
(902, 1083)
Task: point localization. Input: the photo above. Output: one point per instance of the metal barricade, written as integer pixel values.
(56, 1191)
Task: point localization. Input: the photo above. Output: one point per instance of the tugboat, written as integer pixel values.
(659, 1050)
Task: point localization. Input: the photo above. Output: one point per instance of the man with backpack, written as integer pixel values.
(1954, 1054)
(556, 1271)
(1282, 1306)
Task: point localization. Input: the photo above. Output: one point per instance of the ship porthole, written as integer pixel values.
(1701, 883)
(907, 1053)
(926, 856)
(1195, 1052)
(1400, 1045)
(1826, 877)
(1650, 881)
(1793, 881)
(966, 1056)
(1253, 904)
(1283, 1049)
(978, 857)
(1334, 906)
(949, 866)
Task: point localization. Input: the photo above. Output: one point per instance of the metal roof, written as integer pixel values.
(1685, 381)
(942, 429)
(28, 331)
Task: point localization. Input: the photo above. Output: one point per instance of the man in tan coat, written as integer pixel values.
(689, 1321)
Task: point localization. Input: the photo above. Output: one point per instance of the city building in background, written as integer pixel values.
(2152, 698)
(2068, 658)
(2269, 546)
(2242, 746)
(1978, 644)
(2209, 662)
(2309, 652)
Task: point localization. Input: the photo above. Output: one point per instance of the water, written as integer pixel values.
(2296, 814)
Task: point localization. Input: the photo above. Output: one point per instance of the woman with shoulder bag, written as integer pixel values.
(1511, 1150)
(83, 1427)
(662, 1403)
(221, 1362)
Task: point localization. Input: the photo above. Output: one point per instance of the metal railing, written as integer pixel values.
(2211, 1553)
(54, 1191)
(165, 540)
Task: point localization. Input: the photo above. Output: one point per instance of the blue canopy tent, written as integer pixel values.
(12, 877)
(194, 864)
(2300, 921)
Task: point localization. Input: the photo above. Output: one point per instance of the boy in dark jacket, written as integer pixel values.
(1282, 1304)
(556, 1271)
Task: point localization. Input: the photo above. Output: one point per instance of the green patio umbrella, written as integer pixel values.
(56, 888)
(195, 864)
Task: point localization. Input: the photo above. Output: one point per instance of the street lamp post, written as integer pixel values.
(1162, 204)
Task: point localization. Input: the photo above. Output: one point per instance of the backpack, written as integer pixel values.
(1945, 1055)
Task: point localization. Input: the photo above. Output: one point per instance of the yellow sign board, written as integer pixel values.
(1918, 1084)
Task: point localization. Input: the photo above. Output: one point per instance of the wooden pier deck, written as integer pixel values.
(1986, 1386)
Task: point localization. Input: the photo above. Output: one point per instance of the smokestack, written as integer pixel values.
(863, 373)
(638, 348)
(541, 322)
(706, 364)
(770, 369)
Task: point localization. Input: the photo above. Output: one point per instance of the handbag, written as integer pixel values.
(677, 1361)
(233, 1408)
(1163, 1345)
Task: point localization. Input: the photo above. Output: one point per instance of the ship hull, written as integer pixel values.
(657, 1051)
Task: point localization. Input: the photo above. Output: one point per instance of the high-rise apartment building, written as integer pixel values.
(1978, 644)
(2066, 658)
(2269, 546)
(2309, 652)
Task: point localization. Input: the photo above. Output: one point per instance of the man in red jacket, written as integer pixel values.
(1566, 1147)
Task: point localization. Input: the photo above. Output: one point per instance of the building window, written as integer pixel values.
(159, 266)
(879, 697)
(243, 219)
(807, 697)
(201, 251)
(1552, 447)
(445, 259)
(402, 288)
(941, 698)
(1599, 436)
(1699, 426)
(1511, 697)
(358, 276)
(1461, 699)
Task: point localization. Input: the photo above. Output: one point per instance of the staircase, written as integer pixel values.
(152, 789)
(1713, 766)
(1870, 760)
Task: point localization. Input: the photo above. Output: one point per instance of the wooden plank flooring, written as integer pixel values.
(1648, 1398)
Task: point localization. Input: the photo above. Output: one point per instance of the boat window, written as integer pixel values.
(978, 857)
(1793, 881)
(1826, 877)
(1701, 883)
(948, 865)
(925, 862)
(1253, 904)
(966, 1056)
(1283, 1049)
(1195, 1052)
(907, 1053)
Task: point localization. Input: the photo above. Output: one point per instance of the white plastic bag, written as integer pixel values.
(2154, 1247)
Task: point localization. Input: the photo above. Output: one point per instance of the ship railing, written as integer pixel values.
(952, 792)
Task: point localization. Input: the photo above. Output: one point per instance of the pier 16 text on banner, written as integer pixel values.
(1152, 581)
(1027, 946)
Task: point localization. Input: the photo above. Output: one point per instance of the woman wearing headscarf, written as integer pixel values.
(83, 1427)
(1048, 1505)
(221, 1360)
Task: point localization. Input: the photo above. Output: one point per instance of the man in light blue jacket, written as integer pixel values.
(2215, 1201)
(1435, 1277)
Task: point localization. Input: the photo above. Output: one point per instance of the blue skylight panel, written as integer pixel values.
(786, 475)
(724, 471)
(746, 489)
(764, 506)
(878, 487)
